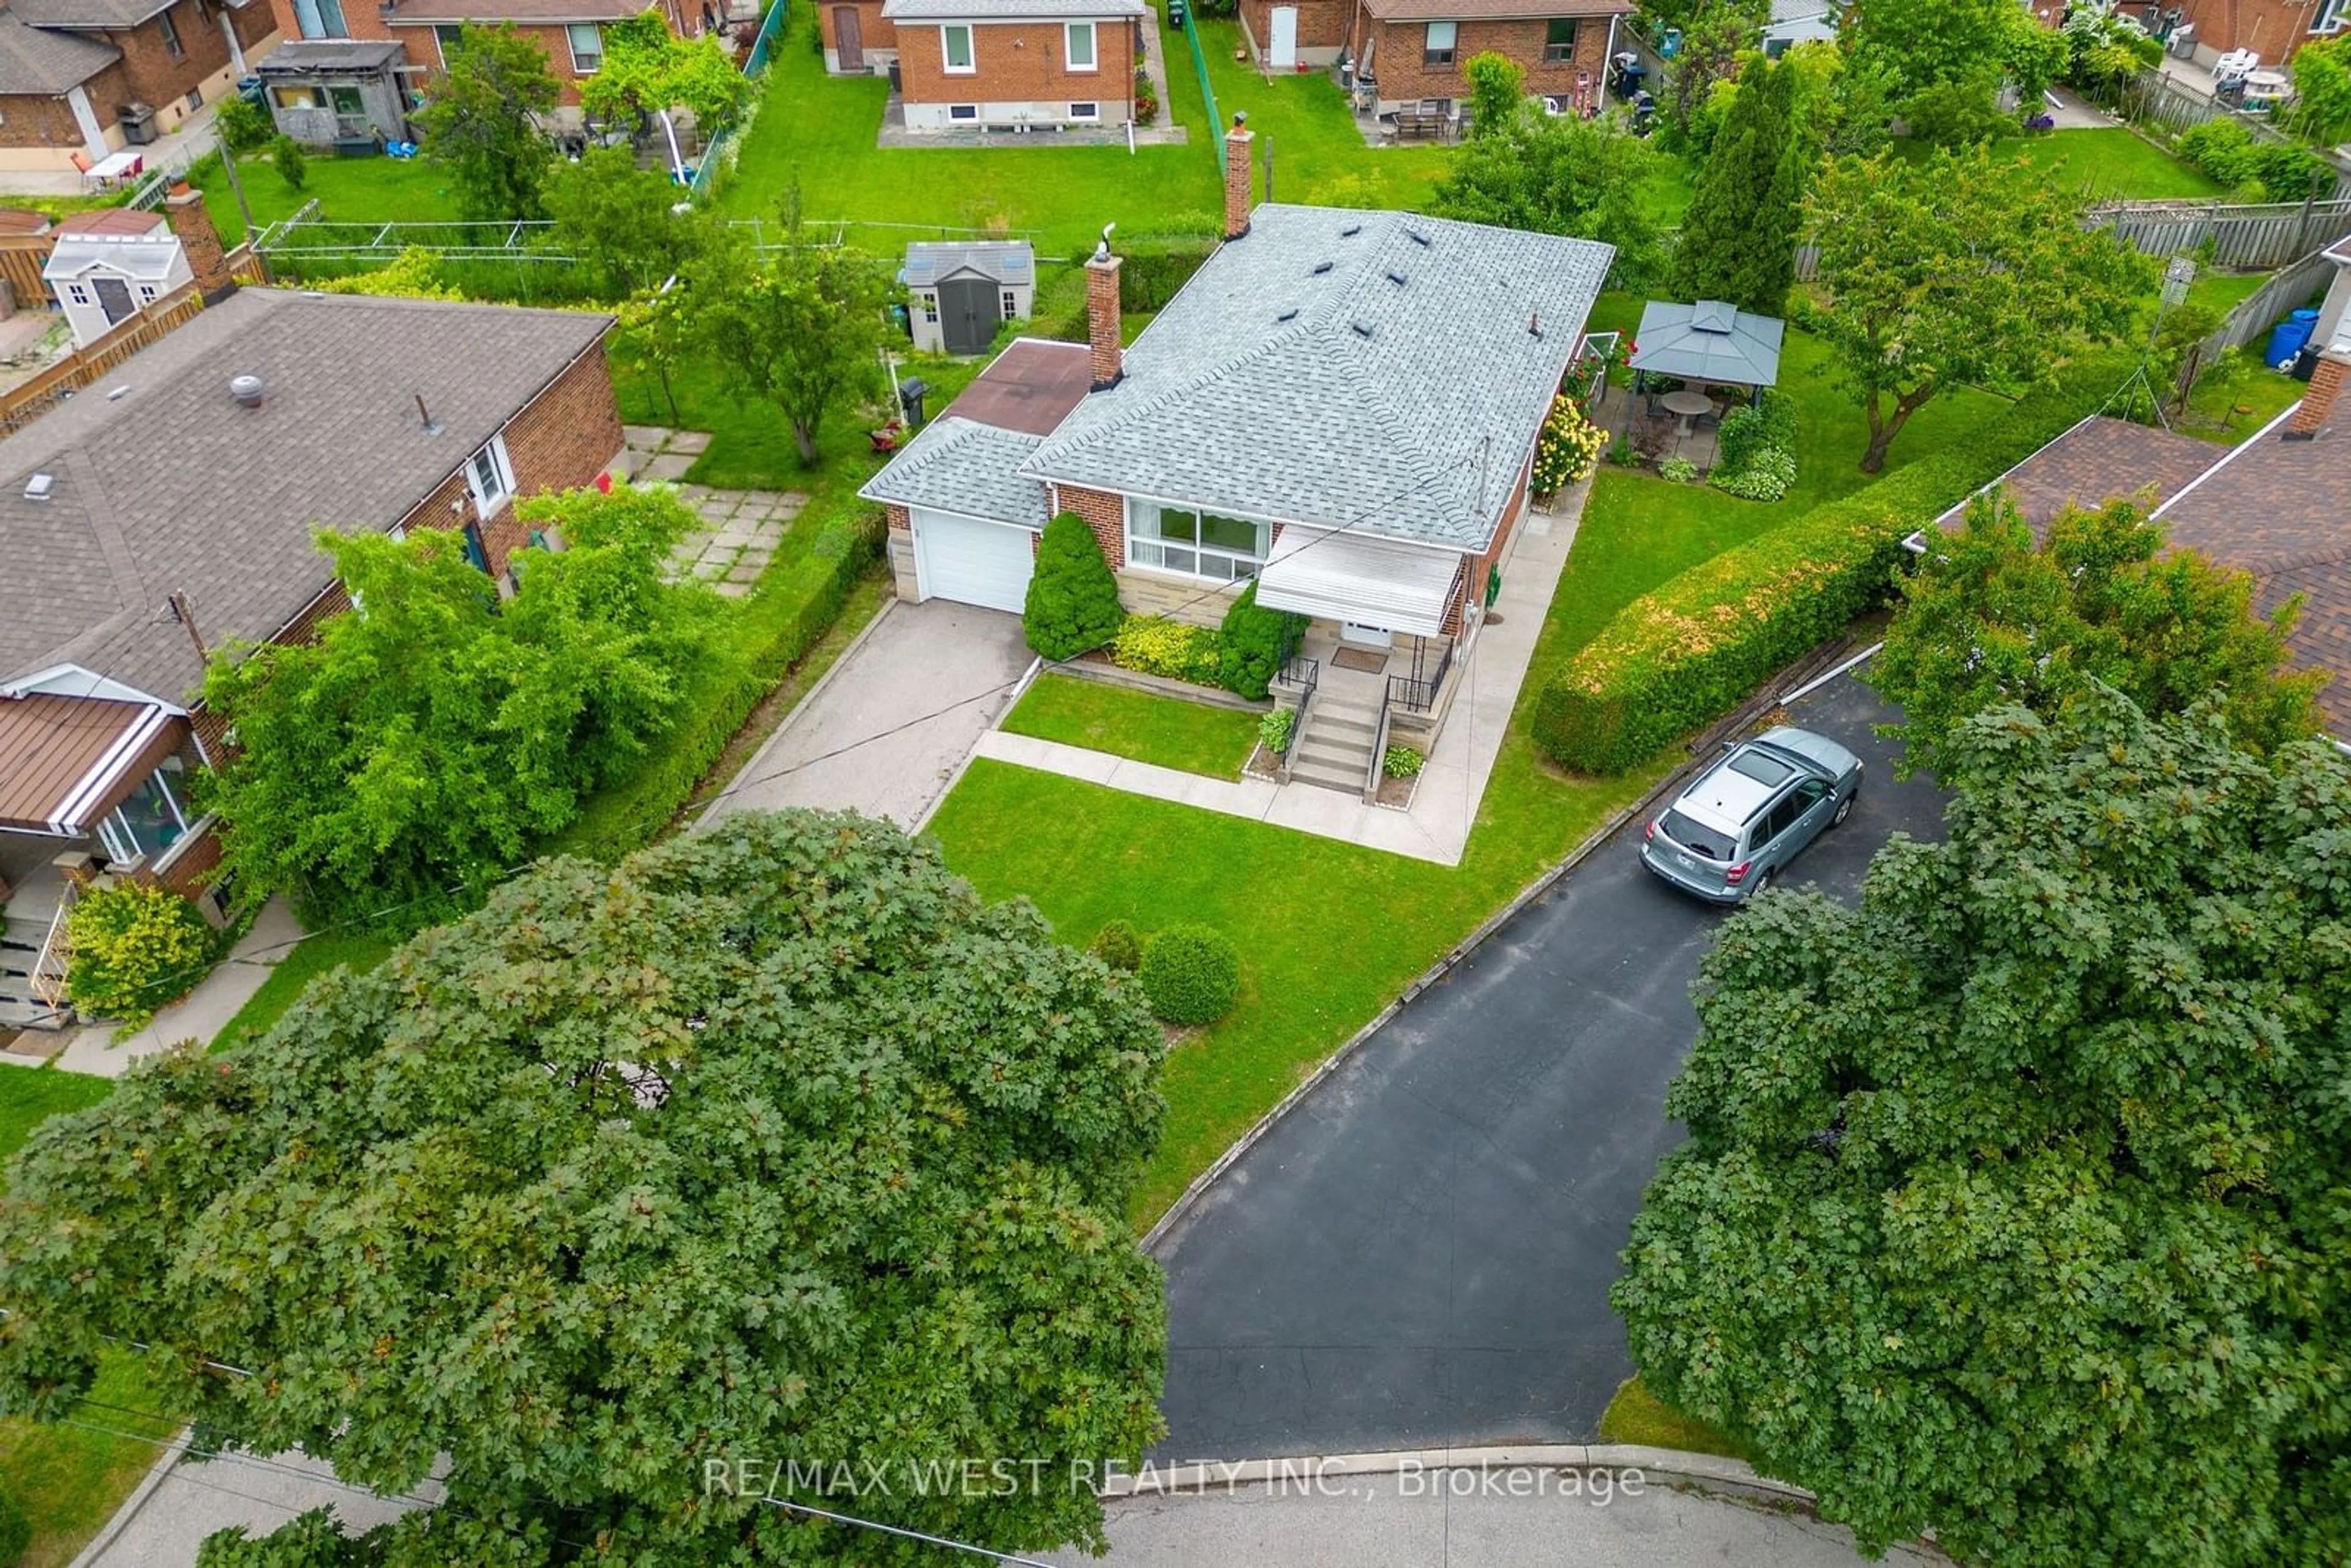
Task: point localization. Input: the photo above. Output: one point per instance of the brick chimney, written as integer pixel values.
(2318, 410)
(1104, 357)
(193, 224)
(1237, 176)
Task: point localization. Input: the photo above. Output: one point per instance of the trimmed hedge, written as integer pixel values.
(1688, 652)
(1190, 974)
(1119, 946)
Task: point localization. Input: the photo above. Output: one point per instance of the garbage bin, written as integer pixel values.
(2305, 364)
(2287, 337)
(911, 392)
(249, 90)
(138, 123)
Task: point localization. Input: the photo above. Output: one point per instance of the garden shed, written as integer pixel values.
(109, 264)
(337, 92)
(961, 291)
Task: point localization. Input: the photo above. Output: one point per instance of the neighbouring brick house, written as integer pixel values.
(69, 69)
(2272, 29)
(1407, 51)
(973, 65)
(1341, 406)
(569, 32)
(174, 513)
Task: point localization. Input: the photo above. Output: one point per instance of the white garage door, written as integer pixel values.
(972, 562)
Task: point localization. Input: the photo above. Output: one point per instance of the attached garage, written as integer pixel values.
(972, 561)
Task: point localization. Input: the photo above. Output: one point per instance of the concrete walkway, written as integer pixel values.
(1445, 807)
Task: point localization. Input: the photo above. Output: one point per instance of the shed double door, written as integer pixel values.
(968, 314)
(113, 297)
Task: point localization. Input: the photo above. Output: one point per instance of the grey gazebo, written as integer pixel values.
(1709, 342)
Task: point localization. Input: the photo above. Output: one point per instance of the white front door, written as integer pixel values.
(1368, 636)
(972, 562)
(1285, 38)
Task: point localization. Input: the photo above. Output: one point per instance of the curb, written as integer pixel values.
(165, 1463)
(711, 812)
(1772, 695)
(1197, 1475)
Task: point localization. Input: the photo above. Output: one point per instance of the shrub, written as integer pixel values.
(1765, 476)
(1190, 974)
(293, 164)
(1690, 652)
(1252, 645)
(1753, 426)
(2268, 171)
(245, 126)
(16, 1533)
(1154, 645)
(1680, 470)
(1275, 730)
(1568, 447)
(1146, 98)
(1119, 946)
(1072, 603)
(1402, 762)
(135, 949)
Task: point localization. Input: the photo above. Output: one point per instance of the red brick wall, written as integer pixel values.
(27, 122)
(2272, 29)
(1397, 61)
(1322, 24)
(1105, 514)
(899, 519)
(566, 436)
(362, 19)
(873, 32)
(150, 74)
(1021, 63)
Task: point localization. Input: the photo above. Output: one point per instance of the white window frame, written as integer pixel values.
(1069, 31)
(487, 501)
(970, 67)
(115, 834)
(78, 294)
(931, 308)
(1574, 40)
(146, 294)
(170, 32)
(1147, 551)
(2331, 16)
(1086, 112)
(571, 42)
(1011, 304)
(1431, 54)
(963, 111)
(441, 40)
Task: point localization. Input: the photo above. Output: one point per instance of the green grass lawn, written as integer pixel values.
(368, 190)
(2111, 163)
(1637, 1416)
(28, 1094)
(1194, 738)
(362, 947)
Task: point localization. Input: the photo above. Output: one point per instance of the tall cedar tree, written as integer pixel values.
(772, 1146)
(1738, 242)
(1960, 271)
(1073, 604)
(477, 123)
(2012, 1206)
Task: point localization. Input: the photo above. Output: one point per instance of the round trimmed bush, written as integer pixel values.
(135, 949)
(1190, 974)
(1119, 946)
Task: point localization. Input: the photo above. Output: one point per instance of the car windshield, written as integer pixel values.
(1768, 771)
(1696, 837)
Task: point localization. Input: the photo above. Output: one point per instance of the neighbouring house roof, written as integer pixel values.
(1785, 13)
(1708, 341)
(35, 63)
(1004, 260)
(1374, 370)
(2097, 461)
(1008, 10)
(111, 221)
(72, 758)
(309, 57)
(20, 221)
(89, 13)
(448, 12)
(968, 459)
(1491, 10)
(162, 483)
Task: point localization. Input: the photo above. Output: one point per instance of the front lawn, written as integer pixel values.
(1192, 737)
(28, 1094)
(362, 947)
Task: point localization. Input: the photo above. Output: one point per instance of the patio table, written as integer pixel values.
(114, 167)
(1686, 404)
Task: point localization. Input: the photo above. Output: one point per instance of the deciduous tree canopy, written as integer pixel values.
(1561, 176)
(2013, 1204)
(479, 124)
(775, 1146)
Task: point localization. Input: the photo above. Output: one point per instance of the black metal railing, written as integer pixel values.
(1417, 693)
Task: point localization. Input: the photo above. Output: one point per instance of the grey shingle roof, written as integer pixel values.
(1341, 368)
(174, 487)
(88, 13)
(1007, 10)
(955, 464)
(1005, 260)
(1710, 341)
(38, 63)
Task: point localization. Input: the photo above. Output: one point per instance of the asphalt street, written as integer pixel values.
(1419, 1254)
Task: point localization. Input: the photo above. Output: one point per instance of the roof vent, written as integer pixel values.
(1289, 315)
(249, 391)
(1396, 279)
(1361, 328)
(1418, 237)
(1322, 266)
(40, 487)
(1351, 231)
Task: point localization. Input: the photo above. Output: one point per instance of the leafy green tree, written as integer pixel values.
(1713, 43)
(653, 334)
(1073, 605)
(802, 328)
(2322, 89)
(2105, 50)
(2036, 59)
(648, 69)
(1959, 271)
(478, 122)
(2012, 1203)
(630, 228)
(1989, 620)
(1497, 87)
(1559, 175)
(434, 734)
(773, 1146)
(1738, 242)
(1942, 60)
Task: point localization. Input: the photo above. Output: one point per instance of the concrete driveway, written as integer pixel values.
(1419, 1254)
(947, 668)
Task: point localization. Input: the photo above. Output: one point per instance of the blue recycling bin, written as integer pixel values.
(2287, 337)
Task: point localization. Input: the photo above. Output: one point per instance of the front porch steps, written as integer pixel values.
(20, 947)
(1333, 751)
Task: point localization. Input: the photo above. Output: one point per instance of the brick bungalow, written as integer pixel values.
(69, 69)
(2272, 29)
(1341, 406)
(1416, 49)
(969, 65)
(175, 516)
(569, 32)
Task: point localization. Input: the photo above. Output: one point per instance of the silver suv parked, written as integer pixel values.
(1750, 814)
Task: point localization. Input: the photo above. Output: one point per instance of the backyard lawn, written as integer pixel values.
(355, 190)
(2111, 161)
(1192, 737)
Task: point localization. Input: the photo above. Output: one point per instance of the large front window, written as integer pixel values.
(1198, 544)
(147, 823)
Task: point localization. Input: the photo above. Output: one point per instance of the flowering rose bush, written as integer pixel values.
(1568, 447)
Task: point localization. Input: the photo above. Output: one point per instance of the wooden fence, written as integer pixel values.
(22, 405)
(2155, 100)
(2258, 312)
(22, 256)
(2244, 237)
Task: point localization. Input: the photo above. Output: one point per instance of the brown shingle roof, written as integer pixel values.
(36, 63)
(111, 221)
(2097, 461)
(1491, 10)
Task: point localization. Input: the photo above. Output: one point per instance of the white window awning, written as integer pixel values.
(1337, 576)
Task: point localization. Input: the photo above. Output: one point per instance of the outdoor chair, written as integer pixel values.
(82, 166)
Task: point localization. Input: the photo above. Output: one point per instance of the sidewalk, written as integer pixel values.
(1445, 808)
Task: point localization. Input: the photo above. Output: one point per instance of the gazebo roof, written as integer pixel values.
(1708, 341)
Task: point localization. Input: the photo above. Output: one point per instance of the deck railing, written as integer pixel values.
(56, 957)
(1412, 692)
